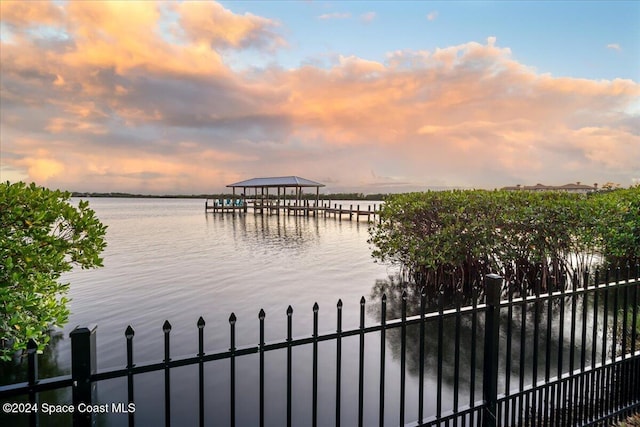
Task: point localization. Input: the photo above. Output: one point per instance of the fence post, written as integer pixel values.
(491, 339)
(32, 372)
(83, 365)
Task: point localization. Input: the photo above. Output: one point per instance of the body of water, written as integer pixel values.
(169, 260)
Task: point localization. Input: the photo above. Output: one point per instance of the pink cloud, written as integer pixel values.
(24, 14)
(211, 23)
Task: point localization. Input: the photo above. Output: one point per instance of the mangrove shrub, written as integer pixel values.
(452, 237)
(41, 236)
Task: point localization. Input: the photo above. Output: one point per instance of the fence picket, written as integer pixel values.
(261, 316)
(32, 373)
(383, 345)
(403, 355)
(166, 328)
(200, 324)
(423, 303)
(289, 361)
(315, 366)
(361, 367)
(338, 359)
(129, 334)
(232, 369)
(440, 356)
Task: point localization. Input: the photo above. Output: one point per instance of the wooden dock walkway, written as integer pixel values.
(304, 208)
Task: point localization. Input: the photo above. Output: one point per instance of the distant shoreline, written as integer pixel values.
(141, 196)
(337, 196)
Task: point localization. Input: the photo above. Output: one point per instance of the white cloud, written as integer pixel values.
(431, 16)
(614, 46)
(335, 15)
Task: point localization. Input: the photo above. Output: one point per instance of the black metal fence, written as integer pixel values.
(558, 357)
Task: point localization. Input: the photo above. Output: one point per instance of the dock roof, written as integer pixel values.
(279, 181)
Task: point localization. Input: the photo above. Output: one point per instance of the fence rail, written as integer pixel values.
(598, 382)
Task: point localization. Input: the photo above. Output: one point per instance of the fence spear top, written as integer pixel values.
(262, 314)
(362, 300)
(166, 327)
(339, 304)
(129, 333)
(384, 297)
(404, 294)
(289, 311)
(232, 318)
(316, 307)
(201, 323)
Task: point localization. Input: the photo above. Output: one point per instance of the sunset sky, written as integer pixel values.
(186, 97)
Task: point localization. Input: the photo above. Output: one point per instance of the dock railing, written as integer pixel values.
(599, 381)
(305, 207)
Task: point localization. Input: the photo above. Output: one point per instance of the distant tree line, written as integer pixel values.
(305, 196)
(450, 238)
(347, 196)
(140, 196)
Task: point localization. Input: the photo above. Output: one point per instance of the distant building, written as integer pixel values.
(571, 188)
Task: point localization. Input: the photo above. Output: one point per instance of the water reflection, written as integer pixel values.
(48, 367)
(16, 370)
(271, 231)
(547, 333)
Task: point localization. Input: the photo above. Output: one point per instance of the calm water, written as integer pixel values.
(168, 260)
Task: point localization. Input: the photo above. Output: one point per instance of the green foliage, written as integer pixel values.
(451, 237)
(621, 236)
(41, 237)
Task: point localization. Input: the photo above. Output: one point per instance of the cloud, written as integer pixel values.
(21, 15)
(60, 125)
(110, 101)
(41, 165)
(335, 15)
(211, 23)
(614, 46)
(368, 17)
(431, 16)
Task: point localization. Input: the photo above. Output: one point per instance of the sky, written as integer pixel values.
(187, 97)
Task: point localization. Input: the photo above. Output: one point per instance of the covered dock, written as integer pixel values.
(269, 195)
(280, 184)
(261, 200)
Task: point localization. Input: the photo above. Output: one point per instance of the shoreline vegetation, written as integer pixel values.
(449, 239)
(43, 236)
